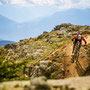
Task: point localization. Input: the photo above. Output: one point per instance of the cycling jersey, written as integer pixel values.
(77, 37)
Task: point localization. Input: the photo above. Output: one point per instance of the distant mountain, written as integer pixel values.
(9, 29)
(16, 31)
(5, 42)
(74, 16)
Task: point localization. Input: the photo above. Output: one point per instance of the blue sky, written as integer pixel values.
(29, 10)
(23, 14)
(50, 13)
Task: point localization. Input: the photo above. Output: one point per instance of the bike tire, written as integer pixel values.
(76, 52)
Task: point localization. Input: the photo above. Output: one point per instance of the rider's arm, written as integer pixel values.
(74, 37)
(84, 39)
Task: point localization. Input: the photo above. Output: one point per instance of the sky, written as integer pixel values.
(30, 10)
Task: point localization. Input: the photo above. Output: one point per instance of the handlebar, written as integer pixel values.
(84, 45)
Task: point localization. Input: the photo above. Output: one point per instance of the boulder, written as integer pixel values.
(38, 83)
(52, 40)
(43, 68)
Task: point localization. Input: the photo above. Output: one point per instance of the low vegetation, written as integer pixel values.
(15, 57)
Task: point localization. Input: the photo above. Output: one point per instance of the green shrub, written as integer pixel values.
(85, 32)
(10, 70)
(54, 75)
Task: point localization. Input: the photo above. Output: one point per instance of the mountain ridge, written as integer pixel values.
(5, 42)
(29, 29)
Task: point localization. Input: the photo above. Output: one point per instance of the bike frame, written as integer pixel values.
(76, 51)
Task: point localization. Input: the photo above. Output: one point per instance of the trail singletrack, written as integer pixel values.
(70, 67)
(78, 68)
(74, 69)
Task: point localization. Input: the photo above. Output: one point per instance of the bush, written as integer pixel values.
(54, 75)
(9, 70)
(85, 32)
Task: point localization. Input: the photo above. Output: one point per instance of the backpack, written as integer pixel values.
(79, 37)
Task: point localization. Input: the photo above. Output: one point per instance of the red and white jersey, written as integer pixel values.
(77, 36)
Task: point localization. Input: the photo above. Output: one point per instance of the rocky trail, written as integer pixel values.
(74, 69)
(78, 68)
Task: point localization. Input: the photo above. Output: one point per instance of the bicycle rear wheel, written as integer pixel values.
(76, 51)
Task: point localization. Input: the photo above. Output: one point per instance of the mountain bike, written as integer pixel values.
(76, 52)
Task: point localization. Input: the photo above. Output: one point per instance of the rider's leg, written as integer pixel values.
(74, 44)
(80, 44)
(73, 48)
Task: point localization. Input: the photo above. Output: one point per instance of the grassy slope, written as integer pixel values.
(12, 67)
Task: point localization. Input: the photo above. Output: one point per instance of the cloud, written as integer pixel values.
(64, 4)
(82, 4)
(23, 3)
(67, 4)
(59, 4)
(44, 2)
(0, 3)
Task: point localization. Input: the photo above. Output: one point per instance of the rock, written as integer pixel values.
(28, 56)
(16, 85)
(43, 68)
(66, 25)
(50, 36)
(41, 36)
(10, 46)
(45, 32)
(52, 40)
(26, 87)
(39, 83)
(39, 52)
(42, 83)
(58, 32)
(44, 64)
(63, 29)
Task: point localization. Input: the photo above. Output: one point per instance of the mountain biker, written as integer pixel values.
(79, 38)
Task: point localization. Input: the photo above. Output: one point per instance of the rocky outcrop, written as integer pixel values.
(70, 29)
(42, 68)
(41, 83)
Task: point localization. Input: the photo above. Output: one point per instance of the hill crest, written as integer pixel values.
(33, 53)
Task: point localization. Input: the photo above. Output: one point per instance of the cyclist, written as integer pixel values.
(79, 38)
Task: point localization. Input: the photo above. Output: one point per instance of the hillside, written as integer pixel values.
(46, 55)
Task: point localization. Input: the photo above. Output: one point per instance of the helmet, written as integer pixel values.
(79, 36)
(79, 33)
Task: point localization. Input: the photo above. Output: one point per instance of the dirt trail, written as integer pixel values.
(75, 69)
